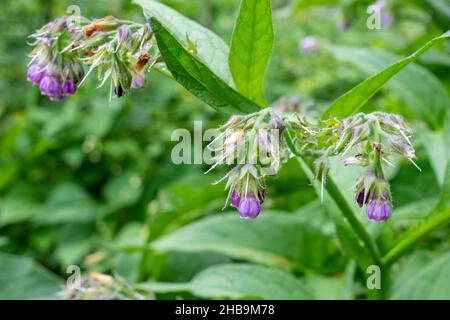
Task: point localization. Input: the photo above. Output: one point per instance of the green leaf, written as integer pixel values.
(251, 46)
(66, 203)
(441, 6)
(415, 86)
(303, 4)
(430, 283)
(196, 77)
(209, 47)
(284, 240)
(123, 190)
(354, 99)
(22, 278)
(18, 205)
(238, 281)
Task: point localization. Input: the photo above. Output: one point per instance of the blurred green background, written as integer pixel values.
(88, 182)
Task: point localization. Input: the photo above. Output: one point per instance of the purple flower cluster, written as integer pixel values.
(248, 205)
(51, 84)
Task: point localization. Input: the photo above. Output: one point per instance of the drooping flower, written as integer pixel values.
(36, 73)
(51, 87)
(360, 199)
(249, 206)
(379, 208)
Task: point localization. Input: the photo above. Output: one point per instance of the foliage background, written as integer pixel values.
(90, 183)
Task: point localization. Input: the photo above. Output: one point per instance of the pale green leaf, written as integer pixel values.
(251, 46)
(22, 278)
(429, 283)
(237, 281)
(354, 99)
(289, 241)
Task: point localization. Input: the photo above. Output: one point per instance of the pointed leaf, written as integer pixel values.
(196, 77)
(251, 46)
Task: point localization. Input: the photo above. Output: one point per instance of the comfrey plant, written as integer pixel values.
(122, 51)
(258, 139)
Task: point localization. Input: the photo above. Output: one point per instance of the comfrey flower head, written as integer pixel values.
(57, 74)
(254, 145)
(120, 52)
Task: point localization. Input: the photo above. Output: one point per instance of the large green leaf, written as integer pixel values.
(414, 86)
(285, 240)
(67, 203)
(251, 46)
(209, 47)
(430, 283)
(22, 278)
(354, 99)
(240, 281)
(196, 77)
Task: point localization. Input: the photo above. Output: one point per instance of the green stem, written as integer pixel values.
(348, 212)
(356, 224)
(345, 208)
(433, 222)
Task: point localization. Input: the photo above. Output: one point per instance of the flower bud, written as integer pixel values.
(379, 210)
(234, 199)
(51, 87)
(123, 35)
(249, 207)
(401, 146)
(36, 73)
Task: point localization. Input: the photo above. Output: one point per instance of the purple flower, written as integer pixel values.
(234, 199)
(36, 73)
(249, 207)
(68, 87)
(379, 210)
(360, 199)
(51, 87)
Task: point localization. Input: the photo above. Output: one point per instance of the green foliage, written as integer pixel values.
(197, 77)
(22, 278)
(354, 99)
(237, 281)
(208, 46)
(291, 241)
(90, 182)
(251, 47)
